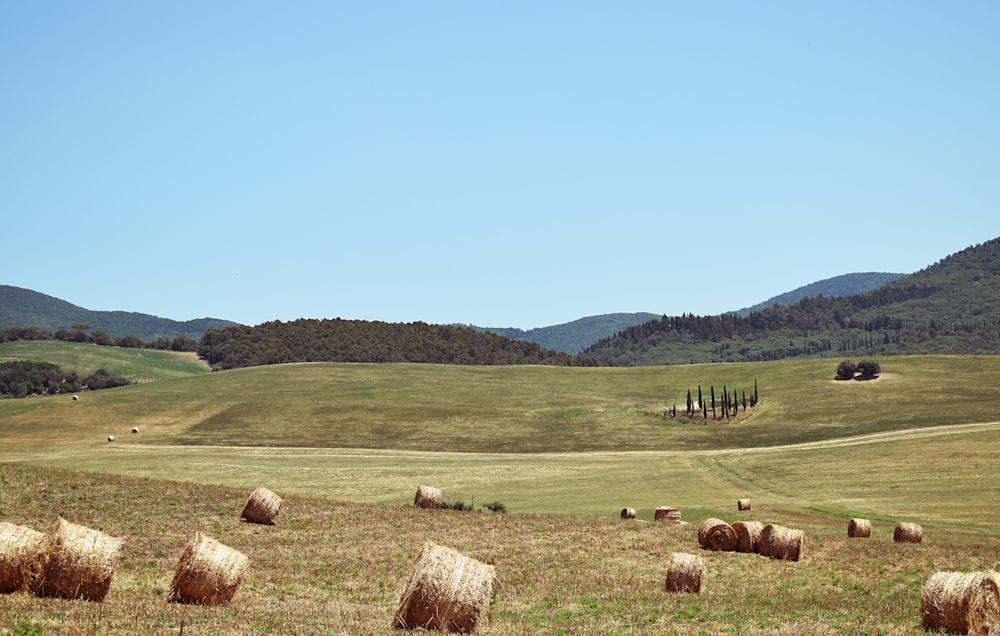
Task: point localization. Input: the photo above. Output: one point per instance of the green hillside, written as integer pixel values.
(26, 308)
(951, 307)
(844, 285)
(139, 365)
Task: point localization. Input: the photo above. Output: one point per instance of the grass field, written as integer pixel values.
(563, 449)
(139, 365)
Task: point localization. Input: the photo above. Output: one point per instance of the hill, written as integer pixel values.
(573, 337)
(950, 307)
(844, 285)
(26, 308)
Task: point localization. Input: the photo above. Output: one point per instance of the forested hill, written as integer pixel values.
(951, 307)
(574, 337)
(27, 308)
(844, 285)
(337, 340)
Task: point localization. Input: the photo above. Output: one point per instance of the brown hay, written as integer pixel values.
(628, 513)
(78, 564)
(447, 591)
(962, 603)
(908, 533)
(716, 534)
(743, 504)
(667, 514)
(859, 528)
(685, 573)
(111, 438)
(262, 507)
(208, 573)
(779, 542)
(427, 497)
(21, 552)
(747, 535)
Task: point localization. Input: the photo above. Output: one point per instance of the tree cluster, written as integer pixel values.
(21, 378)
(864, 370)
(83, 333)
(727, 406)
(338, 340)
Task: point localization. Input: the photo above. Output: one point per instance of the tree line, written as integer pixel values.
(81, 332)
(21, 378)
(339, 340)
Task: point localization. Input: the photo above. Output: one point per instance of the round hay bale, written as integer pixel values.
(716, 534)
(963, 603)
(686, 573)
(447, 591)
(111, 438)
(79, 563)
(859, 529)
(76, 397)
(628, 513)
(135, 429)
(747, 535)
(743, 504)
(667, 514)
(427, 497)
(262, 507)
(779, 542)
(21, 556)
(208, 573)
(908, 533)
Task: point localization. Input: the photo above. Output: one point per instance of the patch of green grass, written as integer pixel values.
(140, 365)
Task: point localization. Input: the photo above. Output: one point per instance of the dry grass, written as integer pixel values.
(334, 567)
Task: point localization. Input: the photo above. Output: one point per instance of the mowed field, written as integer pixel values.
(563, 449)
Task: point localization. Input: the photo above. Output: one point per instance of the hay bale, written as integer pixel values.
(743, 504)
(79, 563)
(747, 535)
(907, 533)
(686, 573)
(135, 429)
(427, 497)
(21, 556)
(262, 507)
(628, 513)
(716, 534)
(859, 529)
(779, 542)
(76, 397)
(667, 514)
(963, 603)
(208, 573)
(447, 591)
(111, 438)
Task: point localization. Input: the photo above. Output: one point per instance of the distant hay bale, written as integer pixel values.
(667, 514)
(859, 529)
(963, 603)
(779, 542)
(21, 556)
(447, 591)
(716, 534)
(79, 563)
(135, 429)
(262, 507)
(686, 573)
(628, 513)
(208, 573)
(111, 438)
(427, 497)
(747, 535)
(743, 504)
(908, 533)
(76, 397)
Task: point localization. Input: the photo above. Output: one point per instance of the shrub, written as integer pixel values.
(495, 506)
(846, 370)
(869, 369)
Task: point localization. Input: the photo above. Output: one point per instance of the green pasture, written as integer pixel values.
(140, 365)
(920, 443)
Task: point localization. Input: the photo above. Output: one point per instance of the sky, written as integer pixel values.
(515, 164)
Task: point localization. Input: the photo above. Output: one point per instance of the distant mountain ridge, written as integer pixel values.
(836, 287)
(573, 337)
(26, 308)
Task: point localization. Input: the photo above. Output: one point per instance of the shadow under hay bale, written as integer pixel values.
(79, 563)
(963, 603)
(779, 542)
(686, 573)
(427, 497)
(667, 514)
(743, 504)
(447, 591)
(628, 513)
(21, 552)
(908, 533)
(208, 573)
(859, 529)
(747, 535)
(716, 534)
(262, 507)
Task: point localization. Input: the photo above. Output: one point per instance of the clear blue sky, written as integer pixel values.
(504, 164)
